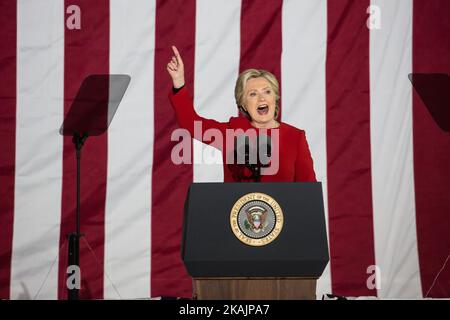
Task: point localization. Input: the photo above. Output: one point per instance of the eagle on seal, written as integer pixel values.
(257, 216)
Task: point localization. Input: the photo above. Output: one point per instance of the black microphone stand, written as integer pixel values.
(256, 168)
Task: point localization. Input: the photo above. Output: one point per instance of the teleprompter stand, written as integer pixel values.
(90, 114)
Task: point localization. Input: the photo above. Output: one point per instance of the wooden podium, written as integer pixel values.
(226, 264)
(254, 289)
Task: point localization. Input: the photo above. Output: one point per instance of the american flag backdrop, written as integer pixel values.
(343, 67)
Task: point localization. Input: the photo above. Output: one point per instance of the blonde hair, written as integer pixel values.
(242, 81)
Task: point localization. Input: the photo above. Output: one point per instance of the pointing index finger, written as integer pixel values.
(177, 54)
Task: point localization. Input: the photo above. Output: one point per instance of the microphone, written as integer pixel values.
(264, 144)
(253, 156)
(263, 153)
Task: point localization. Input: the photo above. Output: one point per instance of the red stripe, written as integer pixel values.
(261, 36)
(175, 25)
(348, 148)
(86, 52)
(431, 48)
(8, 38)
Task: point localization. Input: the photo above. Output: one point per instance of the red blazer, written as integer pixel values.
(295, 162)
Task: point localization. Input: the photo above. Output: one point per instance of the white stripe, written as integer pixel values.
(38, 181)
(217, 53)
(392, 151)
(130, 153)
(304, 34)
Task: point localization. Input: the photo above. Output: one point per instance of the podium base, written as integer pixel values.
(254, 288)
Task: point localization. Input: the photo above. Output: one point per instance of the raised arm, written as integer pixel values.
(183, 105)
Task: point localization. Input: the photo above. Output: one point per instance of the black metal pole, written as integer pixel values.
(78, 147)
(74, 238)
(74, 260)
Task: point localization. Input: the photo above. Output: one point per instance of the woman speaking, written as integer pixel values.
(257, 97)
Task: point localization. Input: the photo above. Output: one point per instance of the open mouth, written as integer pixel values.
(263, 109)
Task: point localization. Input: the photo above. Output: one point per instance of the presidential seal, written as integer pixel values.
(256, 219)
